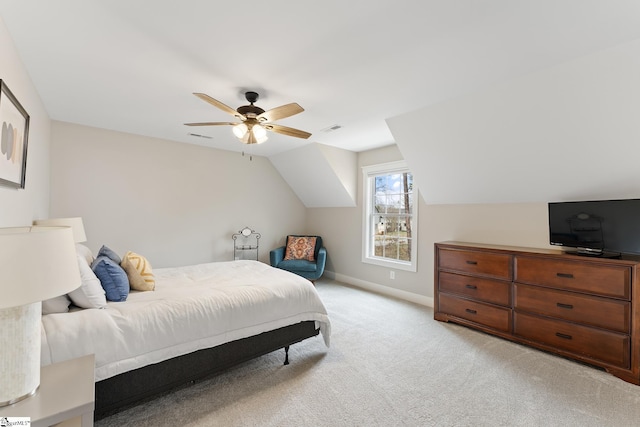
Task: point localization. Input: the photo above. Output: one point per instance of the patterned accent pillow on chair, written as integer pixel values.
(300, 247)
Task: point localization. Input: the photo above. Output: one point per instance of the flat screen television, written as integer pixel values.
(597, 227)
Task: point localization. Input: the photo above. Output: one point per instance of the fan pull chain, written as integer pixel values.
(250, 156)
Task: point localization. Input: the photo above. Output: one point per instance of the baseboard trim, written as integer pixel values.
(381, 289)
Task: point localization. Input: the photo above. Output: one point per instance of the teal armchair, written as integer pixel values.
(311, 270)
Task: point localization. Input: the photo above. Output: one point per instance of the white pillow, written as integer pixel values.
(85, 252)
(56, 305)
(90, 294)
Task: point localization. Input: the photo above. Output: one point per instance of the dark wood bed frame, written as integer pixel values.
(130, 388)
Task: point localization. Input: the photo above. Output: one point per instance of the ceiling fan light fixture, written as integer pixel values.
(259, 132)
(240, 130)
(251, 133)
(256, 135)
(255, 121)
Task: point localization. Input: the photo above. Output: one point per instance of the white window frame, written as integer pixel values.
(368, 173)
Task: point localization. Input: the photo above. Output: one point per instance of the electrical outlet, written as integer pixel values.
(392, 274)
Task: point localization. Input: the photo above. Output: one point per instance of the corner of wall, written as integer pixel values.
(321, 176)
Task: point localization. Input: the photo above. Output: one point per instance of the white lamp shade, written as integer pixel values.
(240, 130)
(76, 225)
(259, 131)
(36, 263)
(260, 134)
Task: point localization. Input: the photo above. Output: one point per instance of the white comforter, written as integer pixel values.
(192, 308)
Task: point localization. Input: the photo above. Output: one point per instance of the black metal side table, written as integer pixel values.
(245, 244)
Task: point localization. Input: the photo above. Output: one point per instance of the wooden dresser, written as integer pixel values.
(584, 308)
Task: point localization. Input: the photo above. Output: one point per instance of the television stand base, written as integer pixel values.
(607, 255)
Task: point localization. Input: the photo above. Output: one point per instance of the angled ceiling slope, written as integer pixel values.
(568, 132)
(321, 176)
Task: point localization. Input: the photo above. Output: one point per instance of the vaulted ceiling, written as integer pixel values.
(132, 66)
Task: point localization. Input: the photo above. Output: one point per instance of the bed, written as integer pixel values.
(199, 320)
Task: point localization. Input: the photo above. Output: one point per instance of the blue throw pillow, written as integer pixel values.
(109, 253)
(112, 277)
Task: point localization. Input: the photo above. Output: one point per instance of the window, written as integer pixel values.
(390, 216)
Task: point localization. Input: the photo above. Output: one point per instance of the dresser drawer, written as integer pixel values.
(606, 280)
(480, 263)
(591, 310)
(608, 347)
(488, 290)
(484, 314)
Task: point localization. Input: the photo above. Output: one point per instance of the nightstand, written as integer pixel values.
(66, 396)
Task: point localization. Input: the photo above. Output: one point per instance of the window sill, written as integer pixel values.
(396, 265)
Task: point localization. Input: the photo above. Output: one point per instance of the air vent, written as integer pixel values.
(200, 136)
(330, 128)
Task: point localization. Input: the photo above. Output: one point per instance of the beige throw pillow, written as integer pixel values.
(138, 271)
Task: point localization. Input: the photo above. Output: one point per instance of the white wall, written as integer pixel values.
(516, 224)
(174, 203)
(20, 207)
(569, 132)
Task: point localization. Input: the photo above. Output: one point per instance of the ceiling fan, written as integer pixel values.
(255, 122)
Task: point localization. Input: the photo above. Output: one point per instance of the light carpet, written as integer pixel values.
(391, 364)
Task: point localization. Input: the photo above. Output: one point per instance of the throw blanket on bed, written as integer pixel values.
(192, 308)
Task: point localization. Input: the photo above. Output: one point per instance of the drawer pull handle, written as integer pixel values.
(563, 336)
(565, 275)
(471, 287)
(561, 305)
(468, 310)
(472, 262)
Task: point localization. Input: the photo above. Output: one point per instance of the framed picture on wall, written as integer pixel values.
(13, 140)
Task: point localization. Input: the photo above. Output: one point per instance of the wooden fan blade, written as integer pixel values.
(220, 105)
(211, 124)
(287, 131)
(280, 112)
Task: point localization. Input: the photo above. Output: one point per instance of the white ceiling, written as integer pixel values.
(132, 65)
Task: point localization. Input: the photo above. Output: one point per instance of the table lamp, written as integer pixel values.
(36, 263)
(75, 223)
